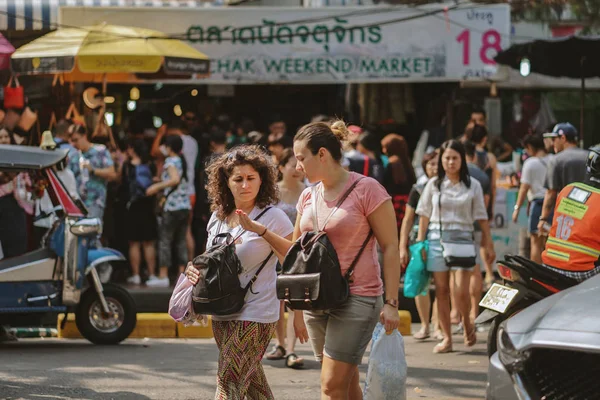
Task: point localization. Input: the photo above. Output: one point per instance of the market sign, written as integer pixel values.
(328, 45)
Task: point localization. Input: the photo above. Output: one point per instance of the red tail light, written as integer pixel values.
(507, 273)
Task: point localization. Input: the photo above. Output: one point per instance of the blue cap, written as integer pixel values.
(563, 129)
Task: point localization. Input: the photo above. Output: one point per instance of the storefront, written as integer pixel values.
(254, 45)
(334, 55)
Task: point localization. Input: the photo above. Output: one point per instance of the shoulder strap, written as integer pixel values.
(440, 210)
(339, 203)
(255, 277)
(313, 199)
(171, 192)
(355, 261)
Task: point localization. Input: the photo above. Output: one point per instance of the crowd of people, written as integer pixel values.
(172, 194)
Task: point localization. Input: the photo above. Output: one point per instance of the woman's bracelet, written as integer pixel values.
(263, 234)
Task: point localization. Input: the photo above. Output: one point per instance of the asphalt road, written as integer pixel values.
(185, 369)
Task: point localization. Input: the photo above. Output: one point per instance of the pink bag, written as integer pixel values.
(180, 305)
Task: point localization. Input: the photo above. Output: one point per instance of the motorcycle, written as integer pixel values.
(524, 283)
(62, 276)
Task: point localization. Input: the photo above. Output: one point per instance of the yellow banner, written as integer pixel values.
(120, 63)
(572, 208)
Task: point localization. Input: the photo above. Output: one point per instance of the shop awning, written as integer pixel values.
(35, 15)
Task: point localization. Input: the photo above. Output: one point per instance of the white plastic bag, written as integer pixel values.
(386, 375)
(180, 304)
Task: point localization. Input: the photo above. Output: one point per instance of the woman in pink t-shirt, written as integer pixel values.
(340, 336)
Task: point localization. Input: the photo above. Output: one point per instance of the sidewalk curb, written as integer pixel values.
(161, 325)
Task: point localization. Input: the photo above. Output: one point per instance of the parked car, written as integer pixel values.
(550, 350)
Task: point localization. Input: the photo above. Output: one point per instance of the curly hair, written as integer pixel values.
(221, 168)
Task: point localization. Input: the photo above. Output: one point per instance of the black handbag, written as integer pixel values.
(311, 277)
(458, 247)
(219, 291)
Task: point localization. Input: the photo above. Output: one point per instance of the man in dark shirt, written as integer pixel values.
(568, 166)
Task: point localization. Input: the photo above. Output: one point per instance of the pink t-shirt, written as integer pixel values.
(348, 228)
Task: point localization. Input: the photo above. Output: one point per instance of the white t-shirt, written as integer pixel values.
(252, 250)
(461, 205)
(190, 152)
(533, 174)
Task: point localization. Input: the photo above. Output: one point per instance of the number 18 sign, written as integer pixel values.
(477, 34)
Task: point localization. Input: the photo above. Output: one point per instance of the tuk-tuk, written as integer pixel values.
(61, 276)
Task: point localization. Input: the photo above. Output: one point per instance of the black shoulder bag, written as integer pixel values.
(219, 291)
(311, 277)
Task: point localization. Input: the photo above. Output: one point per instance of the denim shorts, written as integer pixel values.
(343, 333)
(435, 258)
(535, 212)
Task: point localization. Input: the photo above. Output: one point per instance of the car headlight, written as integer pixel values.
(513, 359)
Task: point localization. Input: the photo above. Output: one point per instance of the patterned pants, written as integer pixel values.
(242, 345)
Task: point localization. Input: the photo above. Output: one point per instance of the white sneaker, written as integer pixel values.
(157, 282)
(134, 280)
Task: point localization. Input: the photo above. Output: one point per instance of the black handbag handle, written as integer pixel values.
(255, 277)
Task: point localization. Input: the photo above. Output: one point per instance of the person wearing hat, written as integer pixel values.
(573, 247)
(568, 166)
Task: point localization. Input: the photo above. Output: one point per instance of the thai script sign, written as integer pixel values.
(328, 45)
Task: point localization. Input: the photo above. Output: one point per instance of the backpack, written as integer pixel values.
(218, 291)
(140, 179)
(311, 277)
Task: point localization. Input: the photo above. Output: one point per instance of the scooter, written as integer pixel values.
(61, 277)
(524, 283)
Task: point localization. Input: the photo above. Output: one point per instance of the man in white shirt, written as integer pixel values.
(533, 175)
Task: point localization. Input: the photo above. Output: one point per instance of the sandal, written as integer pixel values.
(278, 353)
(442, 348)
(422, 334)
(438, 335)
(471, 337)
(293, 361)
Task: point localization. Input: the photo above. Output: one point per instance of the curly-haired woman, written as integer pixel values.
(340, 336)
(242, 183)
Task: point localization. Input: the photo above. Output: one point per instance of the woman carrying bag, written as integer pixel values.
(408, 236)
(339, 336)
(242, 184)
(448, 225)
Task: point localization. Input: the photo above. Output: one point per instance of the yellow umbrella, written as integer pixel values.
(87, 53)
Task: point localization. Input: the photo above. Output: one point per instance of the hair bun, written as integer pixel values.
(340, 130)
